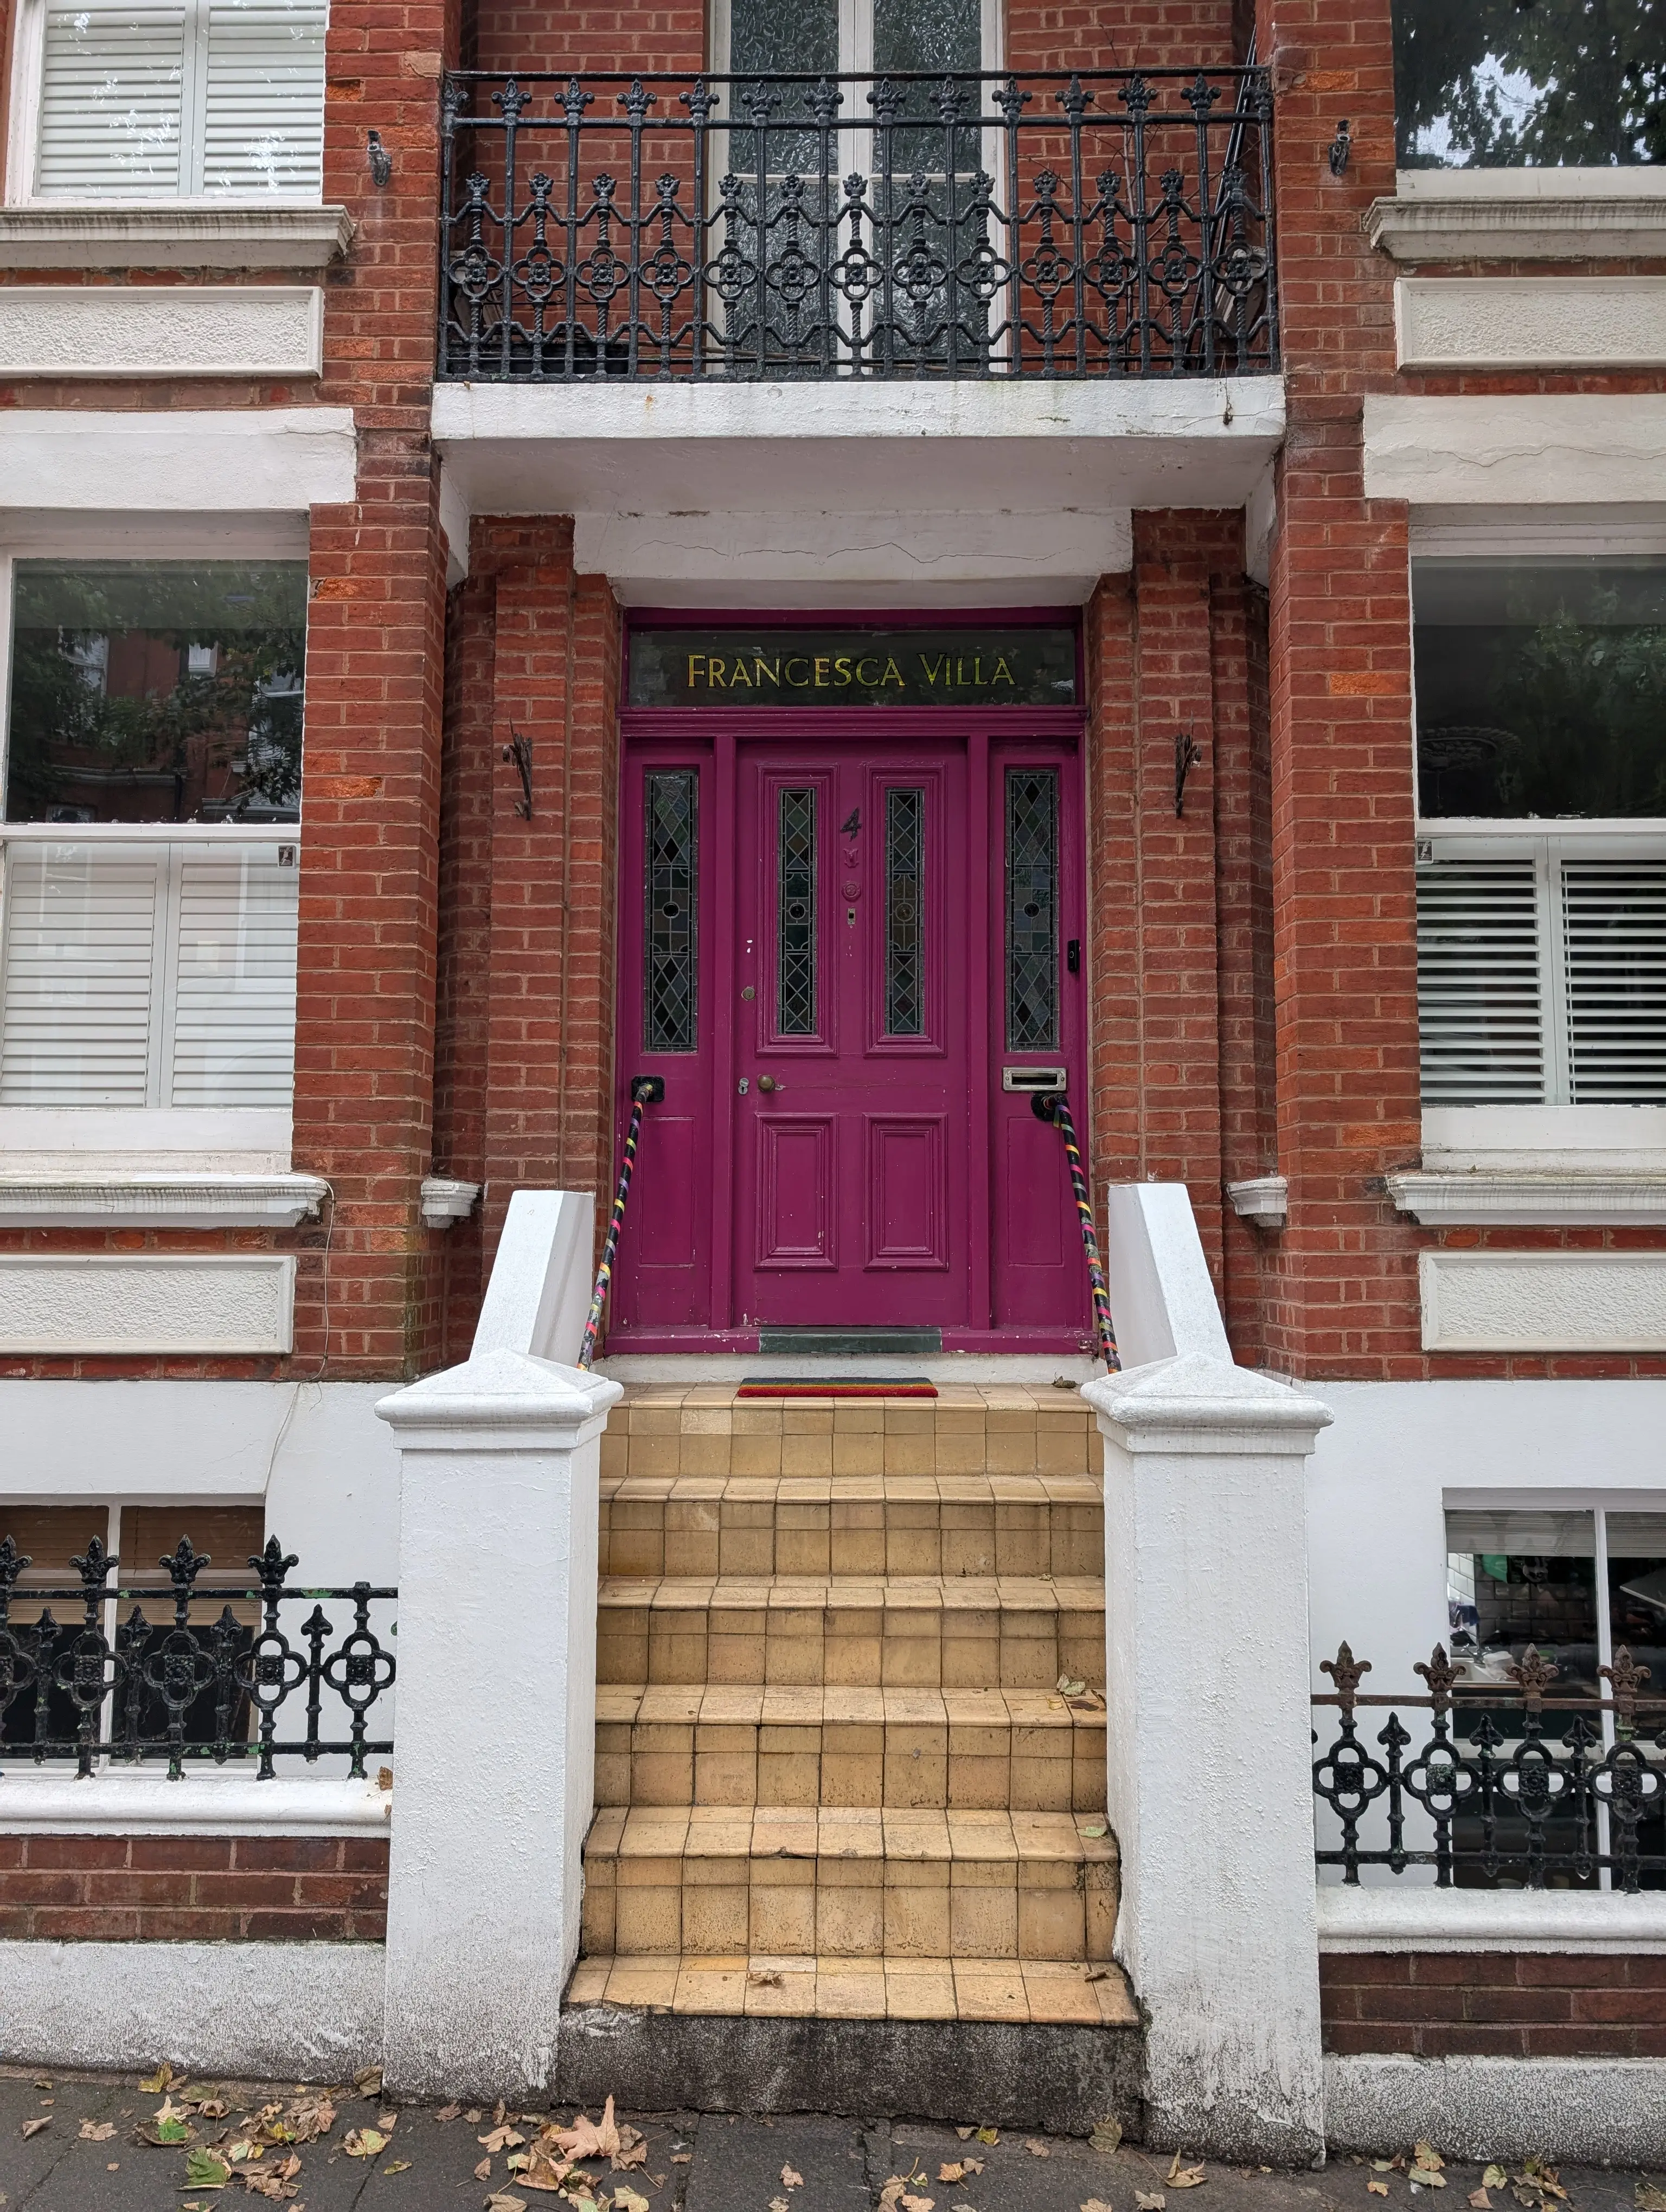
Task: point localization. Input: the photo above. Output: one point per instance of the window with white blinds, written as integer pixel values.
(215, 98)
(1542, 970)
(148, 974)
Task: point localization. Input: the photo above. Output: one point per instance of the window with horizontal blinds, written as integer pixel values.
(148, 976)
(82, 929)
(113, 85)
(1541, 972)
(262, 117)
(1479, 1007)
(219, 98)
(234, 997)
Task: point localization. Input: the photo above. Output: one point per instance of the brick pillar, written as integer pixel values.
(367, 1299)
(547, 985)
(1344, 1291)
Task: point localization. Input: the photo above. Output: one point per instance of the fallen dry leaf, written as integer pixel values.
(397, 2166)
(588, 2138)
(632, 2151)
(1107, 2133)
(1496, 2178)
(368, 2081)
(1150, 2200)
(1069, 1687)
(890, 2195)
(951, 2170)
(973, 2164)
(502, 2139)
(1185, 2177)
(154, 2082)
(777, 2205)
(501, 2201)
(310, 2119)
(1036, 2147)
(484, 2171)
(917, 2203)
(988, 2135)
(1425, 2154)
(765, 1979)
(542, 2171)
(97, 2130)
(364, 2143)
(33, 2127)
(448, 2112)
(1378, 2188)
(387, 2122)
(628, 2200)
(790, 2179)
(1650, 2196)
(1096, 2204)
(1425, 2177)
(682, 2158)
(1479, 2200)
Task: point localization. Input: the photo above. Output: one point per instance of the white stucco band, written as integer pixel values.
(1592, 2110)
(1535, 449)
(295, 2011)
(1411, 1916)
(148, 1302)
(205, 1800)
(992, 447)
(208, 460)
(1512, 322)
(161, 330)
(1489, 1301)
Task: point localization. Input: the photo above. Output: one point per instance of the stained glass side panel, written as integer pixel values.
(671, 935)
(905, 943)
(1032, 908)
(795, 913)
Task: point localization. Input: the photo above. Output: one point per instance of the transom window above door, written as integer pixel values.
(853, 38)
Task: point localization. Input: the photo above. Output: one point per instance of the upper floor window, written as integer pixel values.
(1529, 83)
(1542, 866)
(210, 98)
(852, 37)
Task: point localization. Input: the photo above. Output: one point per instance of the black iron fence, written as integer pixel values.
(1106, 224)
(1497, 1793)
(205, 1672)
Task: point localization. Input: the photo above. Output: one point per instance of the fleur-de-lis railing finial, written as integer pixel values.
(1348, 1672)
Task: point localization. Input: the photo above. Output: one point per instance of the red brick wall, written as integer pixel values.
(1495, 2004)
(212, 1888)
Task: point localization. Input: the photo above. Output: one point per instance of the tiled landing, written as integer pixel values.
(762, 1986)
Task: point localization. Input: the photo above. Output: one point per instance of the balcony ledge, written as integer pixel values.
(1417, 1916)
(1491, 227)
(161, 234)
(1572, 1200)
(181, 1201)
(127, 1802)
(1263, 1199)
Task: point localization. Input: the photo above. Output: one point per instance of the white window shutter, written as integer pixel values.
(1480, 991)
(262, 128)
(81, 941)
(1614, 930)
(112, 103)
(234, 999)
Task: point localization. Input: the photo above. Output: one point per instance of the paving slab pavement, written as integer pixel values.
(433, 2161)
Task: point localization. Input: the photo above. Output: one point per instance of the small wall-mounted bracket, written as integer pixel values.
(647, 1089)
(1188, 753)
(381, 162)
(519, 750)
(1340, 146)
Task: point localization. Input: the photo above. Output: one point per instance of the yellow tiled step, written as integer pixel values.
(668, 1430)
(1040, 1991)
(988, 1750)
(852, 1882)
(925, 1631)
(971, 1524)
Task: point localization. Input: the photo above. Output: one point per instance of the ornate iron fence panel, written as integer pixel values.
(1110, 223)
(179, 1681)
(1499, 1794)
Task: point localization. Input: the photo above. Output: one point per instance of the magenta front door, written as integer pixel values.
(852, 956)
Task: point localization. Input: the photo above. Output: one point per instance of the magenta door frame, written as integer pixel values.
(686, 1178)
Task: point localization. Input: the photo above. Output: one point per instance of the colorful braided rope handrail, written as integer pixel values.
(645, 1091)
(1053, 1106)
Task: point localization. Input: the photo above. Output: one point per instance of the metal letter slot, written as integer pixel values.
(1033, 1078)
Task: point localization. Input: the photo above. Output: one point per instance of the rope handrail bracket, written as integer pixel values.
(1054, 1107)
(645, 1091)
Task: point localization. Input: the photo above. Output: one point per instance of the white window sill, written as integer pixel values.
(164, 234)
(1417, 1916)
(1605, 1144)
(116, 1801)
(1531, 215)
(1582, 1199)
(95, 1199)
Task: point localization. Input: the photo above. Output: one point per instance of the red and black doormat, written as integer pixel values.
(837, 1386)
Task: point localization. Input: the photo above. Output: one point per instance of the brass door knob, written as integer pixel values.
(768, 1082)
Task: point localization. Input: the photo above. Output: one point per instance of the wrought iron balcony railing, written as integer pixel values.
(204, 1674)
(1108, 224)
(1497, 1794)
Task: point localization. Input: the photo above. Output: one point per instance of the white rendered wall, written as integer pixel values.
(1399, 1453)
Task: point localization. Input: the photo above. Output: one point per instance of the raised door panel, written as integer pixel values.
(797, 1172)
(907, 1193)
